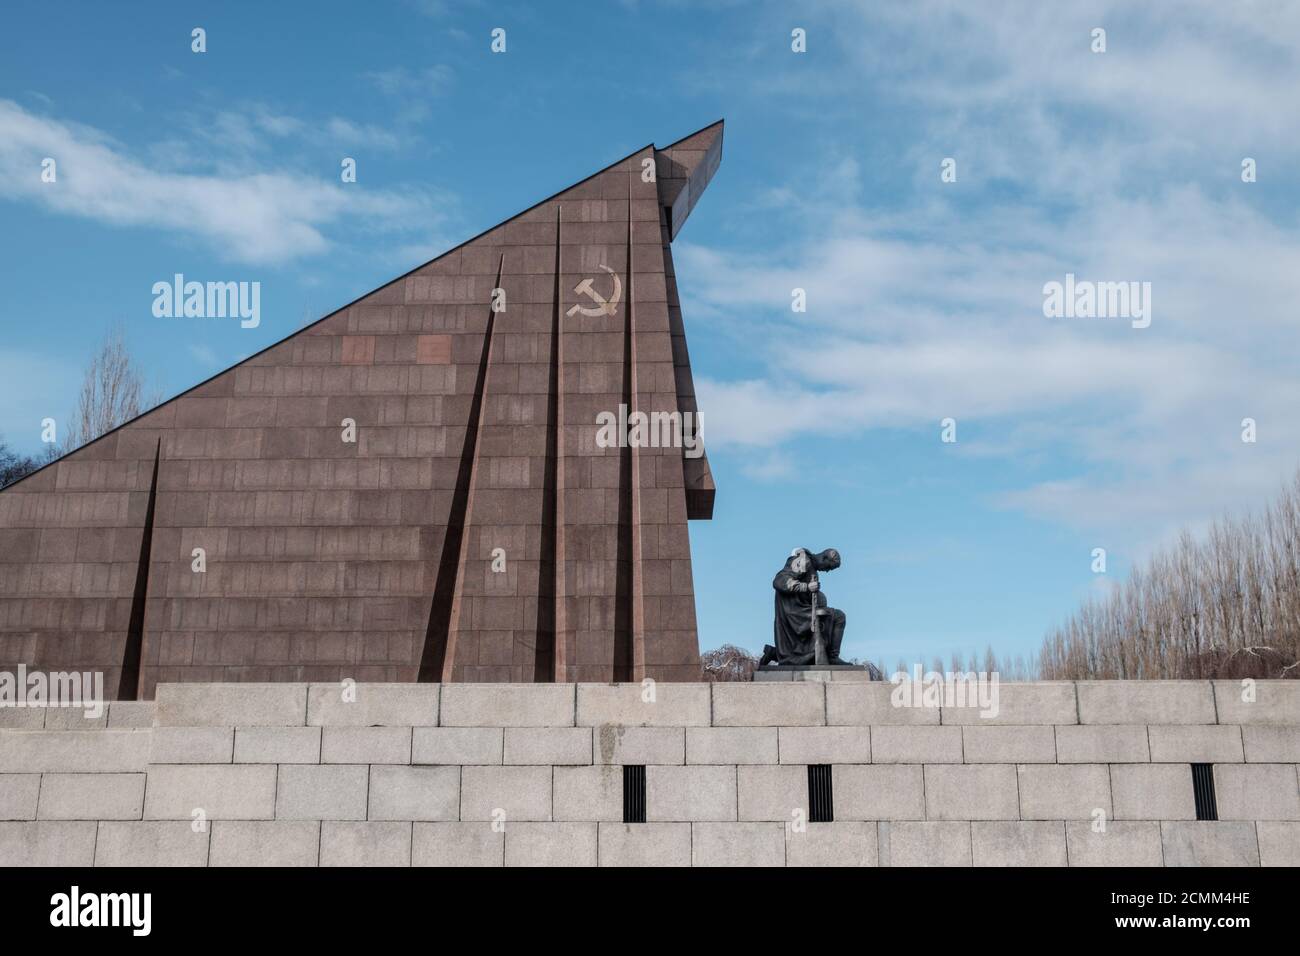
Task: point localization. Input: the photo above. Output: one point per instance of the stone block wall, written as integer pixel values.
(1078, 774)
(416, 487)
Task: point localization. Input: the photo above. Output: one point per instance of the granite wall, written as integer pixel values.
(1086, 774)
(411, 488)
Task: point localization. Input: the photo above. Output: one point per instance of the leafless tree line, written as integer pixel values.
(1226, 606)
(1007, 668)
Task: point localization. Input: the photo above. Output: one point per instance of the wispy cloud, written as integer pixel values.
(404, 81)
(256, 129)
(204, 355)
(246, 213)
(1120, 166)
(412, 89)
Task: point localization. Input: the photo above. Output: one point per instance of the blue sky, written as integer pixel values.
(924, 297)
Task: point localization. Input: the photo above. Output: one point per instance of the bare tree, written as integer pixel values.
(1007, 668)
(14, 465)
(728, 663)
(1226, 607)
(111, 393)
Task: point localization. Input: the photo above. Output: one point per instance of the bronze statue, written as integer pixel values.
(802, 636)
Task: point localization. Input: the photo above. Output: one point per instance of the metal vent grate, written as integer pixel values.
(633, 794)
(1207, 807)
(821, 806)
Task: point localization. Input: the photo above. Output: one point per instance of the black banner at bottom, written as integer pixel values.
(213, 906)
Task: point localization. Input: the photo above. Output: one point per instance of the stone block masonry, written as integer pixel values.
(412, 489)
(1088, 774)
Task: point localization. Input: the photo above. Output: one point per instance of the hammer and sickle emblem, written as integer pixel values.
(603, 306)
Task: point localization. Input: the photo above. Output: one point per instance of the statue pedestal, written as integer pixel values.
(818, 672)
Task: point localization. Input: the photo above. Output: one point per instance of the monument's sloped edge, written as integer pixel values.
(391, 282)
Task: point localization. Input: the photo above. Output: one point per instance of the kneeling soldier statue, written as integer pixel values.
(806, 631)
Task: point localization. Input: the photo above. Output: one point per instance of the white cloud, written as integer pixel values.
(346, 133)
(1121, 166)
(1151, 416)
(262, 217)
(228, 140)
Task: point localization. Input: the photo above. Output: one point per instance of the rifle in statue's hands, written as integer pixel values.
(819, 644)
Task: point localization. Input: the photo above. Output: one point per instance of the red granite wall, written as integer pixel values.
(475, 438)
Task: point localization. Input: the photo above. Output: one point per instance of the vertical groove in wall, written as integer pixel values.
(634, 794)
(548, 654)
(1203, 791)
(821, 805)
(625, 568)
(130, 685)
(638, 578)
(438, 656)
